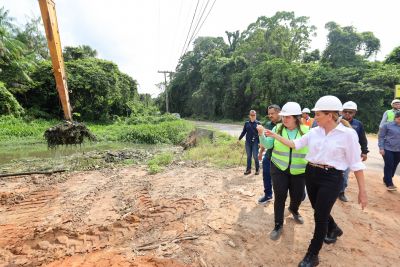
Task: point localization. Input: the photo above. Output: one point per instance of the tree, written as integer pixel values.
(233, 38)
(15, 61)
(393, 57)
(98, 90)
(78, 52)
(347, 47)
(285, 35)
(8, 104)
(34, 39)
(312, 56)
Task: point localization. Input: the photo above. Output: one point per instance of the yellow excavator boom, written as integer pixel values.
(48, 10)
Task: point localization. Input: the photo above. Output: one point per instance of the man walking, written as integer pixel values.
(348, 113)
(274, 119)
(388, 116)
(389, 148)
(252, 141)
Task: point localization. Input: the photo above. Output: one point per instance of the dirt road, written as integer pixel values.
(189, 215)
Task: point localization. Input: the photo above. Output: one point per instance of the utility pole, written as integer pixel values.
(165, 84)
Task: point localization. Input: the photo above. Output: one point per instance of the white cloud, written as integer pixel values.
(143, 37)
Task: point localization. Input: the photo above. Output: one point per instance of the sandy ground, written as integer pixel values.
(186, 216)
(189, 215)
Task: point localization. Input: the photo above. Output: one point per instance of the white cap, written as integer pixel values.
(395, 101)
(306, 110)
(328, 103)
(350, 105)
(290, 108)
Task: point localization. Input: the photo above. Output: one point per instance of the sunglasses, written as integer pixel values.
(348, 111)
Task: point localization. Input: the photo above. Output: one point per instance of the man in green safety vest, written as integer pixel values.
(388, 116)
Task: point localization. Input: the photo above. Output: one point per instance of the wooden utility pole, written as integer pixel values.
(48, 10)
(165, 84)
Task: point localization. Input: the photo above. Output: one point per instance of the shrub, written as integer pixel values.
(8, 104)
(157, 163)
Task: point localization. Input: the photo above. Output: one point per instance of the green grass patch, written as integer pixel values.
(149, 119)
(159, 161)
(17, 129)
(223, 151)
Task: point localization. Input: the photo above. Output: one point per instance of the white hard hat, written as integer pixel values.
(306, 110)
(328, 103)
(395, 101)
(290, 108)
(350, 105)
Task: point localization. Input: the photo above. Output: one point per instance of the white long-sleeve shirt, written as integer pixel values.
(339, 148)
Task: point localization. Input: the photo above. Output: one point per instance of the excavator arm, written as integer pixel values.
(48, 10)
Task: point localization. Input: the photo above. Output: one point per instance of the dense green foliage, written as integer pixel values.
(8, 104)
(270, 63)
(167, 132)
(99, 91)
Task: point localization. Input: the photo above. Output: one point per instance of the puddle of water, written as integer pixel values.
(14, 153)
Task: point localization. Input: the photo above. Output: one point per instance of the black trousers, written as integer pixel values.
(282, 181)
(323, 188)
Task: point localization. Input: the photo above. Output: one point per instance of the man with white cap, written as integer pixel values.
(305, 117)
(388, 116)
(349, 111)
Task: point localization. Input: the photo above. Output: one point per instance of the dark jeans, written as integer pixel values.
(252, 150)
(391, 159)
(266, 163)
(282, 181)
(345, 180)
(323, 187)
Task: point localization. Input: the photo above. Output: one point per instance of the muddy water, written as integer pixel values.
(11, 153)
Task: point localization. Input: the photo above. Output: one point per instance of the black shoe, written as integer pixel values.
(332, 236)
(342, 197)
(247, 172)
(264, 199)
(277, 232)
(296, 216)
(309, 260)
(257, 172)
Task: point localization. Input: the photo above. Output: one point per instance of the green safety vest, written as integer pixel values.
(282, 154)
(390, 115)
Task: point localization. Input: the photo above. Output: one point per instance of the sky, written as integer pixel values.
(143, 37)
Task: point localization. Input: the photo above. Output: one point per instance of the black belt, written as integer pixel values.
(321, 166)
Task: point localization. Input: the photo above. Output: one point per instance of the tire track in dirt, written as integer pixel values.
(47, 244)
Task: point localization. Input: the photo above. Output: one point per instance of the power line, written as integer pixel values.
(190, 28)
(197, 25)
(194, 35)
(205, 17)
(175, 33)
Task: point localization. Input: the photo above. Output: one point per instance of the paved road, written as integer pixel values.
(374, 162)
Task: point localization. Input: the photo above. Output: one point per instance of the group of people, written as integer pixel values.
(317, 154)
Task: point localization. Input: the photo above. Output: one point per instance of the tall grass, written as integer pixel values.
(167, 132)
(223, 151)
(16, 129)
